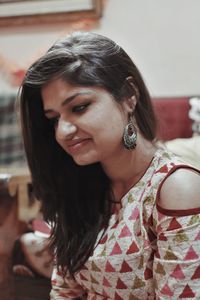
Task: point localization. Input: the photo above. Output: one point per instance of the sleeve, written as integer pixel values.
(65, 288)
(177, 258)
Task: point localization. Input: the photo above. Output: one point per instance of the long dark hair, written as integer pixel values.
(75, 199)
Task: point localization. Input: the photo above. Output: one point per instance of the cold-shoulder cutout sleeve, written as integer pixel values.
(180, 190)
(176, 265)
(65, 288)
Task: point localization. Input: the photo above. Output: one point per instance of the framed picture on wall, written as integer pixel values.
(22, 12)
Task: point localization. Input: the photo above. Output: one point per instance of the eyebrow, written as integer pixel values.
(68, 100)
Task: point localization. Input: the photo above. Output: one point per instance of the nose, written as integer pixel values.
(64, 130)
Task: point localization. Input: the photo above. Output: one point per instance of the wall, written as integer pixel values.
(161, 36)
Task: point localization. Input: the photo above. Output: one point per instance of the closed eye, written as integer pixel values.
(80, 108)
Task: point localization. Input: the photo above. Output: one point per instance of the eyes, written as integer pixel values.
(78, 109)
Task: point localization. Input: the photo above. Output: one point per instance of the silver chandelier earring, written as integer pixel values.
(130, 135)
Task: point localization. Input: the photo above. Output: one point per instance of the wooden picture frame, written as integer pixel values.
(29, 12)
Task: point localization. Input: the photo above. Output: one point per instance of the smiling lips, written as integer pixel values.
(76, 145)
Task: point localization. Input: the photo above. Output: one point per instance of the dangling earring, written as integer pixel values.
(130, 135)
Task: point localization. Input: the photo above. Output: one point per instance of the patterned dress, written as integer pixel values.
(146, 252)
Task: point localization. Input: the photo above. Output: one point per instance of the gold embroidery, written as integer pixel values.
(130, 198)
(95, 268)
(132, 297)
(112, 237)
(93, 280)
(170, 255)
(180, 237)
(103, 252)
(65, 285)
(149, 200)
(138, 283)
(160, 269)
(141, 263)
(194, 219)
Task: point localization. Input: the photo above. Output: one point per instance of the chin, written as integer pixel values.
(81, 161)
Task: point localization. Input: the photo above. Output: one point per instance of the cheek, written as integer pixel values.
(56, 137)
(60, 142)
(110, 132)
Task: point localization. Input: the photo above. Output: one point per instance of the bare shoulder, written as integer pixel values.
(181, 190)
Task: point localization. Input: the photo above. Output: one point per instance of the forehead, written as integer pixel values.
(59, 87)
(59, 91)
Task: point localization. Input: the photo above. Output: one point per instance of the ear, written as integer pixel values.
(134, 89)
(129, 104)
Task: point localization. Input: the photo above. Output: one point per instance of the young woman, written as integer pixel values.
(125, 213)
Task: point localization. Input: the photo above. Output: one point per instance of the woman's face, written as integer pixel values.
(88, 122)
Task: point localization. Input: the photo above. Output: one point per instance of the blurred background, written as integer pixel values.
(162, 37)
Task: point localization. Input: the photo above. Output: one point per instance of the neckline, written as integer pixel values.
(142, 178)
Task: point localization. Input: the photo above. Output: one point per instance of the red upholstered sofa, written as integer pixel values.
(172, 116)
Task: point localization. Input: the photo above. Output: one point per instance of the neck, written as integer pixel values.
(127, 168)
(130, 162)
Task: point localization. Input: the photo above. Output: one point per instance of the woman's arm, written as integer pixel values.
(177, 218)
(65, 288)
(180, 190)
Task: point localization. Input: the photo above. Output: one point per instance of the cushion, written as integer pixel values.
(188, 149)
(194, 114)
